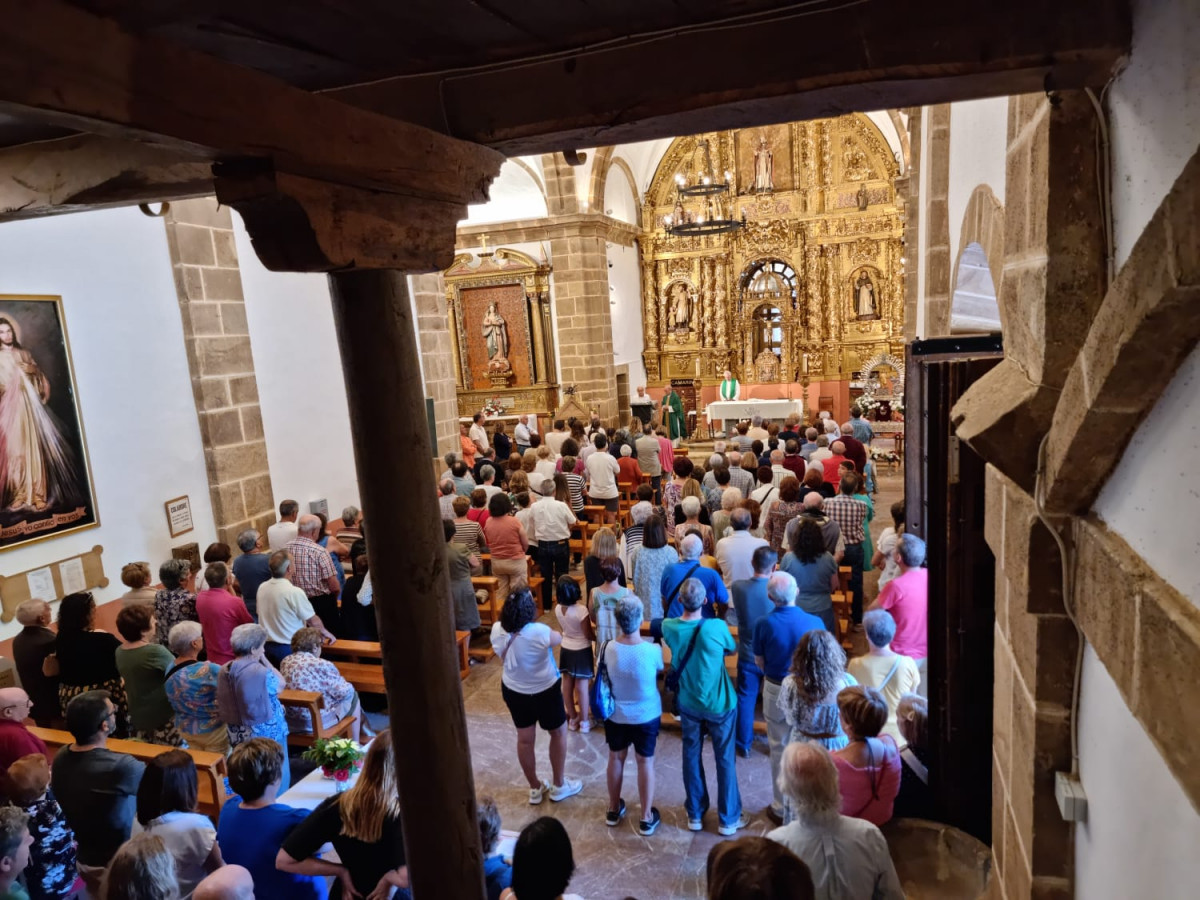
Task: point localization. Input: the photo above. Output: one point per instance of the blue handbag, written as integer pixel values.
(603, 702)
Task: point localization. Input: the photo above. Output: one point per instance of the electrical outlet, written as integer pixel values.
(1072, 801)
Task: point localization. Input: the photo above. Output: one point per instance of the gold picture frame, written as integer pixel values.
(49, 491)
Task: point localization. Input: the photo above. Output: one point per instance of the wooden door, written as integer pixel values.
(944, 492)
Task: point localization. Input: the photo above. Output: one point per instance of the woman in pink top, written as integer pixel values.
(508, 542)
(869, 766)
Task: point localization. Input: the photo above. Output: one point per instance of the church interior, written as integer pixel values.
(299, 254)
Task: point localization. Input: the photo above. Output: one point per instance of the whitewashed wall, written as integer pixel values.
(978, 146)
(113, 272)
(624, 279)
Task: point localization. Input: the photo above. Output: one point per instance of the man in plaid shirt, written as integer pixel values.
(851, 517)
(313, 572)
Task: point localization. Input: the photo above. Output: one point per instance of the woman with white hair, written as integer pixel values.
(192, 691)
(847, 857)
(690, 507)
(889, 672)
(633, 666)
(248, 693)
(730, 498)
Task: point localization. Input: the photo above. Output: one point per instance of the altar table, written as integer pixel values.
(723, 410)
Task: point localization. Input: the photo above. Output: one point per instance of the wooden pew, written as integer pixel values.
(361, 666)
(312, 703)
(210, 767)
(353, 651)
(489, 613)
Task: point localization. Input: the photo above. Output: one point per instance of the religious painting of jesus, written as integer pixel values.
(45, 484)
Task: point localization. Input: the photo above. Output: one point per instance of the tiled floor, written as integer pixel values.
(618, 862)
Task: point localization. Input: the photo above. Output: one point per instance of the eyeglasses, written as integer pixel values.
(24, 704)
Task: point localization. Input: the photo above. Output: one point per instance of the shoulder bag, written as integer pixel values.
(670, 693)
(603, 701)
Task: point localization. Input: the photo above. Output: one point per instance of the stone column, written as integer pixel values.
(217, 341)
(908, 187)
(937, 213)
(412, 589)
(583, 318)
(437, 356)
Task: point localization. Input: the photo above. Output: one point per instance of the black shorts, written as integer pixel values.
(576, 663)
(612, 505)
(644, 737)
(545, 709)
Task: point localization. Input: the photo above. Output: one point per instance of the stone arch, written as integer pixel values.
(618, 162)
(600, 163)
(982, 244)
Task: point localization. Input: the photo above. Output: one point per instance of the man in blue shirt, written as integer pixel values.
(861, 427)
(750, 603)
(675, 574)
(775, 638)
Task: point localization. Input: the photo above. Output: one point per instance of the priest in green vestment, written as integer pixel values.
(672, 405)
(730, 388)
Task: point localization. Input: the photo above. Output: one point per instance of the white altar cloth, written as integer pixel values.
(722, 410)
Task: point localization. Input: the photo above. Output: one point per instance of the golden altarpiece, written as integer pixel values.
(809, 288)
(501, 334)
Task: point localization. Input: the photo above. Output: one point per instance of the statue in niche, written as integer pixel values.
(864, 297)
(863, 197)
(764, 167)
(681, 307)
(495, 332)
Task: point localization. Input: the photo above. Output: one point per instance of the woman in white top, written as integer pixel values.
(890, 673)
(575, 659)
(633, 666)
(884, 558)
(543, 469)
(166, 804)
(532, 691)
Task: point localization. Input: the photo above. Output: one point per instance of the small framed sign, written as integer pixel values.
(179, 516)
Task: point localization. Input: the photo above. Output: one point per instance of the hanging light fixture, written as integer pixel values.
(703, 204)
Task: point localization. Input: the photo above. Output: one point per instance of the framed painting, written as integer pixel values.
(45, 479)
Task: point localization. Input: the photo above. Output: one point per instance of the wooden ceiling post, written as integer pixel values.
(407, 554)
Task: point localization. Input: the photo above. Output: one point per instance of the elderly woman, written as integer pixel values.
(84, 659)
(633, 666)
(304, 670)
(846, 857)
(882, 668)
(690, 508)
(914, 799)
(869, 766)
(466, 445)
(532, 691)
(143, 666)
(467, 532)
(136, 577)
(501, 441)
(509, 543)
(191, 688)
(672, 491)
(248, 692)
(604, 544)
(649, 563)
(814, 569)
(176, 602)
(631, 537)
(142, 869)
(720, 520)
(462, 591)
(782, 511)
(545, 465)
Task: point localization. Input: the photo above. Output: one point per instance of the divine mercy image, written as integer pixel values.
(45, 487)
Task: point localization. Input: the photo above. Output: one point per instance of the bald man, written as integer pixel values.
(313, 572)
(227, 883)
(814, 508)
(15, 739)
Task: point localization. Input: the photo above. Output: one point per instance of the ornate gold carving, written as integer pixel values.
(875, 196)
(855, 165)
(864, 250)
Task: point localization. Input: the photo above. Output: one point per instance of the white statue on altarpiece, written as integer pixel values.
(764, 167)
(495, 332)
(864, 297)
(681, 307)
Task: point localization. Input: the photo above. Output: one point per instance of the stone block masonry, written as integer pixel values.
(437, 358)
(217, 339)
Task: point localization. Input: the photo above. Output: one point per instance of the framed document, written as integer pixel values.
(179, 515)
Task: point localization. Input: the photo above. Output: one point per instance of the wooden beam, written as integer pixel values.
(297, 224)
(62, 65)
(89, 172)
(854, 58)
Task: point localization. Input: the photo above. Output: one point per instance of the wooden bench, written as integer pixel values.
(489, 613)
(312, 703)
(353, 651)
(210, 767)
(367, 677)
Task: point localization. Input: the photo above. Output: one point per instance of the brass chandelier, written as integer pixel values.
(703, 204)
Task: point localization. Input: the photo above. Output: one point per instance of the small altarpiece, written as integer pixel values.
(502, 341)
(810, 287)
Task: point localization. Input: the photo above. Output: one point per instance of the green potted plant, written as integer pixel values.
(338, 758)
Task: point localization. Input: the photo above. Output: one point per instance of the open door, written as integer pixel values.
(944, 499)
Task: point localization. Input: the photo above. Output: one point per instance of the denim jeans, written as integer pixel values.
(778, 732)
(853, 558)
(720, 729)
(749, 677)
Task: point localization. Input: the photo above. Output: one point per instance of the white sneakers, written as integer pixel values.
(568, 788)
(536, 794)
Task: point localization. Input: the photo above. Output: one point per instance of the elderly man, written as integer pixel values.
(464, 481)
(229, 882)
(674, 575)
(846, 856)
(859, 427)
(742, 479)
(446, 494)
(250, 569)
(851, 517)
(449, 459)
(776, 636)
(715, 461)
(31, 646)
(15, 739)
(220, 611)
(649, 460)
(521, 435)
(814, 509)
(478, 433)
(778, 470)
(792, 461)
(486, 458)
(735, 552)
(809, 444)
(642, 405)
(906, 597)
(790, 431)
(756, 431)
(855, 451)
(283, 531)
(283, 609)
(750, 604)
(821, 453)
(312, 571)
(831, 464)
(487, 481)
(554, 440)
(707, 701)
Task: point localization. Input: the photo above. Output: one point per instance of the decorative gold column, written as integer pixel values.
(534, 304)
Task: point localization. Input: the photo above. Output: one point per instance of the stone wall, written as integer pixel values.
(437, 360)
(937, 222)
(209, 286)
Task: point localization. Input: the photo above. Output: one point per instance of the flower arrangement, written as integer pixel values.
(337, 757)
(492, 407)
(881, 455)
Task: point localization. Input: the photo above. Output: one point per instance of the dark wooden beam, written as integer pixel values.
(860, 57)
(90, 172)
(64, 66)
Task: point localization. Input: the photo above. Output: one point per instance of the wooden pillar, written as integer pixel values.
(376, 335)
